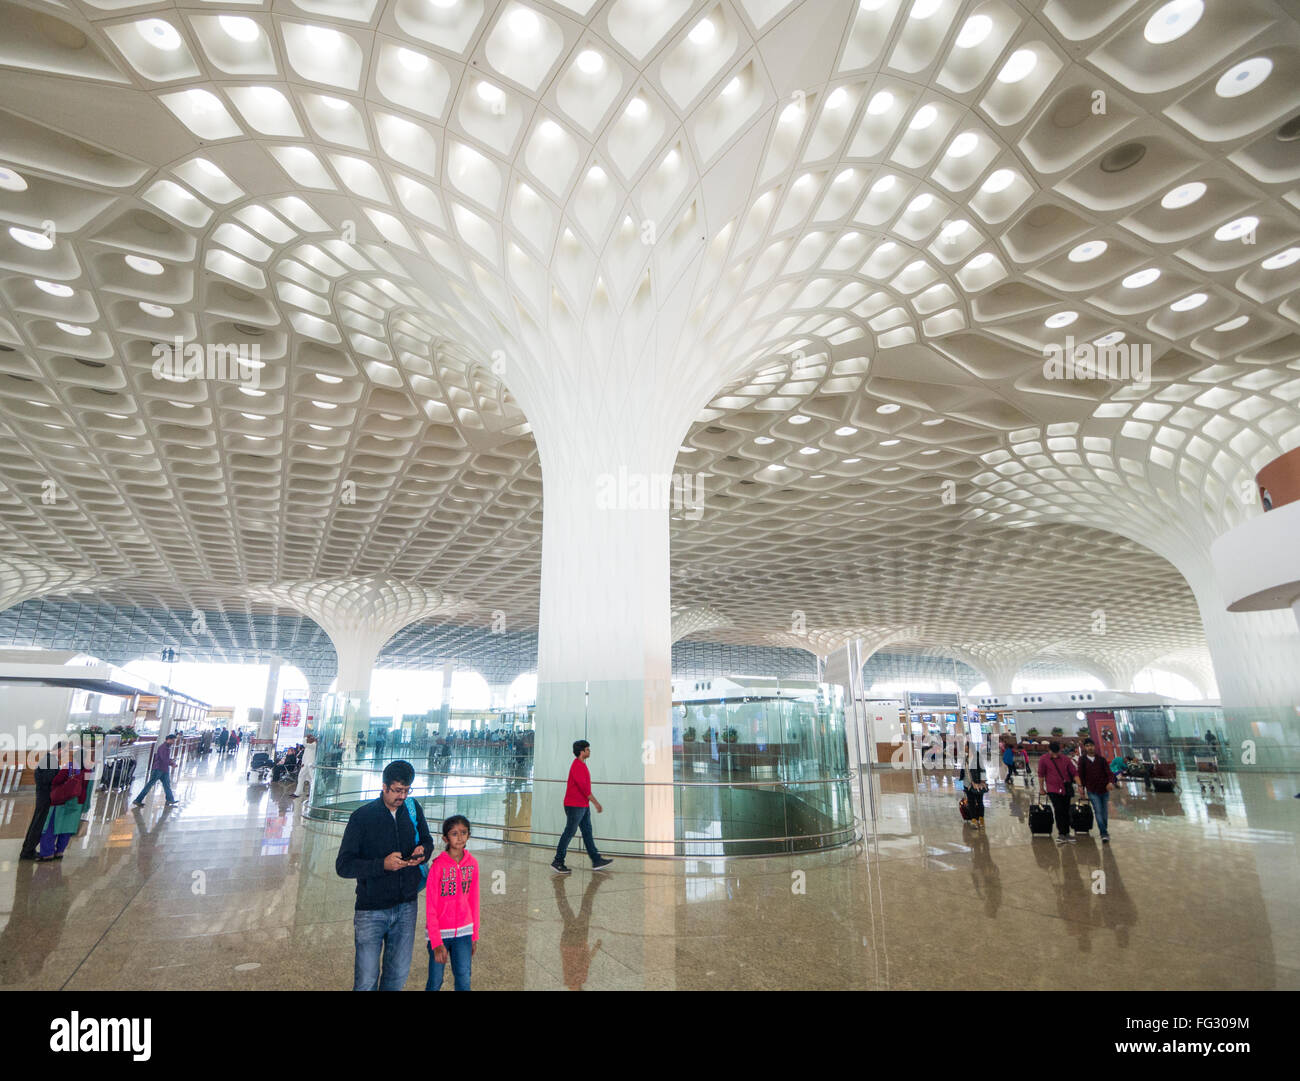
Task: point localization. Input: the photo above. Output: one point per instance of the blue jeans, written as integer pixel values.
(459, 951)
(155, 776)
(1101, 811)
(391, 930)
(579, 818)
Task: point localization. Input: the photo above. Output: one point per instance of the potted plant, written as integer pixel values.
(730, 735)
(1058, 731)
(1031, 733)
(1082, 733)
(688, 736)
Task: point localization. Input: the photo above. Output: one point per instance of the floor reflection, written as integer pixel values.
(235, 889)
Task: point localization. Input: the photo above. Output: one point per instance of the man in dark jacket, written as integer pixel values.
(384, 845)
(44, 773)
(1098, 780)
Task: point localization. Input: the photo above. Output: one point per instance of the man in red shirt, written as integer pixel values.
(577, 796)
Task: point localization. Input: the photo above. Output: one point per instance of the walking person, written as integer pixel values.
(1056, 776)
(1098, 780)
(451, 908)
(160, 771)
(69, 794)
(223, 736)
(385, 847)
(975, 785)
(306, 763)
(578, 802)
(44, 772)
(1008, 760)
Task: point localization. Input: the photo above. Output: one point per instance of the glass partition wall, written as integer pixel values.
(751, 776)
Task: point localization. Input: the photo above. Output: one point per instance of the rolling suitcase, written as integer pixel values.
(964, 807)
(1041, 819)
(1081, 817)
(1162, 784)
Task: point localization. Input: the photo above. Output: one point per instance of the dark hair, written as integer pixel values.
(1054, 747)
(1087, 740)
(171, 735)
(579, 745)
(448, 823)
(399, 772)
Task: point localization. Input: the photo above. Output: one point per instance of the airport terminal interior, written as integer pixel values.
(851, 418)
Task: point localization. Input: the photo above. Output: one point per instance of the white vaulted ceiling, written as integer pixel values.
(884, 211)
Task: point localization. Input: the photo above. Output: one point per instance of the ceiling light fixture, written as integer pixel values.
(846, 430)
(963, 144)
(1244, 77)
(1018, 66)
(1194, 300)
(239, 27)
(1087, 251)
(925, 116)
(143, 265)
(55, 289)
(881, 102)
(999, 180)
(411, 60)
(799, 418)
(160, 34)
(10, 180)
(1113, 338)
(31, 239)
(74, 329)
(1060, 319)
(590, 62)
(489, 94)
(1183, 195)
(1173, 20)
(703, 32)
(1232, 324)
(1281, 259)
(1141, 278)
(763, 440)
(1238, 227)
(888, 407)
(973, 31)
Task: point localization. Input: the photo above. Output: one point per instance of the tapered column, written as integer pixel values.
(267, 729)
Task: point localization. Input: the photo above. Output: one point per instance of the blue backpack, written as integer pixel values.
(415, 825)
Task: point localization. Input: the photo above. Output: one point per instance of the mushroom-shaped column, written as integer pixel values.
(22, 579)
(696, 618)
(998, 662)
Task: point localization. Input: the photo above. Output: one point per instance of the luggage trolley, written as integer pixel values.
(1208, 763)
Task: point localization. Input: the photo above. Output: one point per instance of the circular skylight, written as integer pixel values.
(1244, 77)
(703, 32)
(881, 102)
(159, 34)
(998, 180)
(1173, 20)
(1018, 66)
(963, 144)
(1141, 278)
(161, 311)
(590, 62)
(973, 31)
(1060, 319)
(1183, 195)
(924, 117)
(1087, 251)
(1233, 324)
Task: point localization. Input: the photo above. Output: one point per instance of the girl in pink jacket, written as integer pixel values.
(452, 907)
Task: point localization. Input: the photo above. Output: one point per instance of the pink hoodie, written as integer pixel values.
(451, 906)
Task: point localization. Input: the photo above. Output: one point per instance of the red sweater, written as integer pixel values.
(578, 792)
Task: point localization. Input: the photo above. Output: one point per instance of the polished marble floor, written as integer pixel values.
(232, 889)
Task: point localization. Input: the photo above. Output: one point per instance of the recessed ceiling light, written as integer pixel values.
(963, 144)
(10, 180)
(30, 239)
(323, 405)
(888, 407)
(920, 203)
(525, 23)
(590, 61)
(954, 229)
(314, 446)
(1141, 278)
(252, 416)
(319, 427)
(1018, 65)
(932, 422)
(1060, 319)
(1236, 228)
(884, 184)
(775, 467)
(252, 392)
(1244, 77)
(1110, 339)
(637, 108)
(444, 4)
(846, 430)
(328, 378)
(885, 248)
(837, 98)
(73, 328)
(852, 461)
(159, 34)
(890, 442)
(180, 405)
(159, 310)
(55, 289)
(732, 88)
(973, 31)
(239, 27)
(799, 418)
(999, 180)
(764, 440)
(928, 452)
(980, 261)
(1183, 195)
(703, 32)
(1281, 259)
(595, 174)
(1193, 300)
(925, 116)
(1233, 324)
(489, 94)
(881, 102)
(1122, 157)
(1173, 20)
(923, 9)
(1087, 251)
(807, 450)
(411, 60)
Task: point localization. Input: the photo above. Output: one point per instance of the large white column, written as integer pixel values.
(267, 728)
(605, 639)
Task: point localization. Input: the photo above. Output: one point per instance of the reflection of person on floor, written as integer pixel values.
(47, 766)
(984, 874)
(1074, 899)
(1118, 912)
(574, 954)
(35, 925)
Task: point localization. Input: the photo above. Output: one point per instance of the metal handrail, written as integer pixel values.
(848, 775)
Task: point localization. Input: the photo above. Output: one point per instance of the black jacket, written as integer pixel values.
(371, 834)
(43, 775)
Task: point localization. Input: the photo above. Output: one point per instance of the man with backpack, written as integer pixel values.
(1056, 777)
(386, 847)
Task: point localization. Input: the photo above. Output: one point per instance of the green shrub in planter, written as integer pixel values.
(688, 736)
(1083, 732)
(1058, 731)
(1032, 733)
